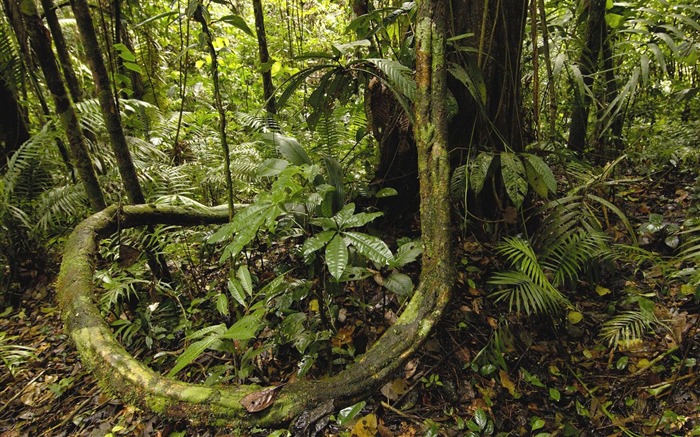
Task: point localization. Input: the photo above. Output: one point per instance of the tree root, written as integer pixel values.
(133, 382)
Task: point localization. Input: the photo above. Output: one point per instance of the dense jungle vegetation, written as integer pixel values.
(373, 217)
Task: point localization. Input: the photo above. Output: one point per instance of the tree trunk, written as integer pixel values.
(124, 376)
(81, 158)
(110, 113)
(268, 88)
(498, 28)
(62, 50)
(588, 66)
(199, 17)
(108, 104)
(13, 123)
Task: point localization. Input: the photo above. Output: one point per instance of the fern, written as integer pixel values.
(60, 206)
(399, 76)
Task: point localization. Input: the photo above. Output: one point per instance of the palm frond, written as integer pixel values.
(523, 294)
(572, 255)
(525, 287)
(627, 328)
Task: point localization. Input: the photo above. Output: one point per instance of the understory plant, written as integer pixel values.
(302, 214)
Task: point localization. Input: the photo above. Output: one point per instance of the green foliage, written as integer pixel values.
(517, 172)
(12, 355)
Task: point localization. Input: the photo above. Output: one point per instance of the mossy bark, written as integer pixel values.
(64, 107)
(133, 382)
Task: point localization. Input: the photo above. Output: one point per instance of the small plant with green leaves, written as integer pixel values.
(337, 237)
(14, 355)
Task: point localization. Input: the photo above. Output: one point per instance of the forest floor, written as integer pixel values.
(561, 378)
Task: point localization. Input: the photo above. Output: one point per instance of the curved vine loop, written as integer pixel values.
(133, 382)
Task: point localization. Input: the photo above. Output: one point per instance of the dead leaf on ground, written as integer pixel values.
(260, 400)
(365, 427)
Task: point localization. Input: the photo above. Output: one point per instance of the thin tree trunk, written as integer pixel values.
(199, 17)
(612, 90)
(535, 69)
(108, 104)
(268, 88)
(551, 90)
(81, 158)
(588, 66)
(431, 133)
(62, 50)
(110, 113)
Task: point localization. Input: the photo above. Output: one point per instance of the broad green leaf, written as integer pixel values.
(222, 304)
(361, 219)
(386, 192)
(342, 49)
(193, 352)
(312, 244)
(238, 22)
(246, 327)
(480, 418)
(243, 275)
(352, 273)
(513, 173)
(132, 66)
(324, 222)
(478, 171)
(370, 246)
(223, 233)
(288, 147)
(399, 283)
(536, 423)
(407, 253)
(539, 175)
(125, 53)
(216, 330)
(344, 215)
(554, 394)
(348, 414)
(236, 291)
(272, 167)
(336, 256)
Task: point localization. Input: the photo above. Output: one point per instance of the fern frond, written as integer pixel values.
(33, 167)
(61, 206)
(690, 249)
(257, 123)
(399, 76)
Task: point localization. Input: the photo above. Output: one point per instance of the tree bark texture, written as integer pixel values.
(69, 119)
(107, 101)
(498, 28)
(268, 87)
(588, 66)
(62, 50)
(13, 123)
(133, 382)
